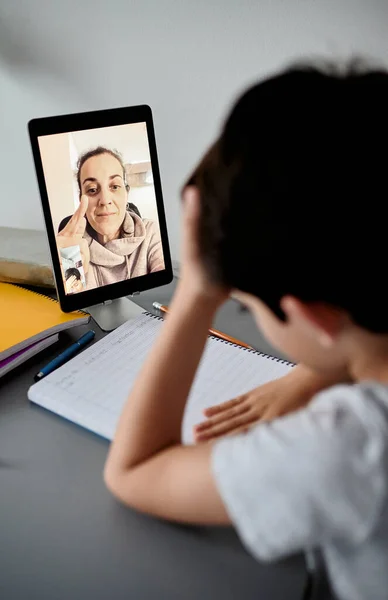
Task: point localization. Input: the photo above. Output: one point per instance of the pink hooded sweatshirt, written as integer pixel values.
(137, 252)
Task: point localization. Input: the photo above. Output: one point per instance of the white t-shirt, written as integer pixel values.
(316, 479)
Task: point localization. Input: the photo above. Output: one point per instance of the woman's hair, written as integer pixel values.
(97, 152)
(294, 192)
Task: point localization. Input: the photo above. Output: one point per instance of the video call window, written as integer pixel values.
(103, 205)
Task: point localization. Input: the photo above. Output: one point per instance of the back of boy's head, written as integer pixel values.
(72, 272)
(294, 193)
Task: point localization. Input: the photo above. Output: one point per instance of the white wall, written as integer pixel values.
(188, 59)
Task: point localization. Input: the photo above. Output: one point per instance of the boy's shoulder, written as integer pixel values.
(366, 402)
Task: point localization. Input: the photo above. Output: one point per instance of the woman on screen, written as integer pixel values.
(115, 243)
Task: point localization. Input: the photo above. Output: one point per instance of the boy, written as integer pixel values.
(73, 281)
(288, 210)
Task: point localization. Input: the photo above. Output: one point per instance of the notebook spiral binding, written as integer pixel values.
(153, 316)
(251, 351)
(26, 289)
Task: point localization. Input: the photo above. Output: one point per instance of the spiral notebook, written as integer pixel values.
(27, 317)
(92, 388)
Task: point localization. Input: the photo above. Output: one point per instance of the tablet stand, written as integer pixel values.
(113, 313)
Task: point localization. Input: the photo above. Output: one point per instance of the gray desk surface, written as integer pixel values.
(64, 537)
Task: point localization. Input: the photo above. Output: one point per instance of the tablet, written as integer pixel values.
(102, 202)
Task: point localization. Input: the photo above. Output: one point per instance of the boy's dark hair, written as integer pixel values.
(294, 193)
(97, 152)
(72, 272)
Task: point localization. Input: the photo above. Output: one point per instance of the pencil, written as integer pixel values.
(215, 332)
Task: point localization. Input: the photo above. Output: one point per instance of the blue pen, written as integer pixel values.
(65, 355)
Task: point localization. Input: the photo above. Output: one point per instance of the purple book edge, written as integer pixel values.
(13, 357)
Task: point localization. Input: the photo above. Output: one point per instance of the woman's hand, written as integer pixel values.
(72, 233)
(194, 279)
(264, 403)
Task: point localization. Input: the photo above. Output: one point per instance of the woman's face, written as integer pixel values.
(101, 179)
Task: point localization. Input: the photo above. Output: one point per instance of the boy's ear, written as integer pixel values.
(323, 320)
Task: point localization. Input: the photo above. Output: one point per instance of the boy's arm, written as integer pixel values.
(147, 467)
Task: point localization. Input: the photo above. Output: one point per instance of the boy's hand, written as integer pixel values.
(194, 279)
(264, 403)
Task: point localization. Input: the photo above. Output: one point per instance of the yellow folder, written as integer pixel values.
(27, 317)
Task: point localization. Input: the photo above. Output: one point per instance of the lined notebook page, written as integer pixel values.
(91, 389)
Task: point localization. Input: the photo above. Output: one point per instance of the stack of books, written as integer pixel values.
(29, 323)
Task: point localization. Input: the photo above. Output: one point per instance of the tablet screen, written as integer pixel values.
(103, 205)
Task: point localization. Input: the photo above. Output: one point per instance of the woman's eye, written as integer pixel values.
(91, 191)
(115, 186)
